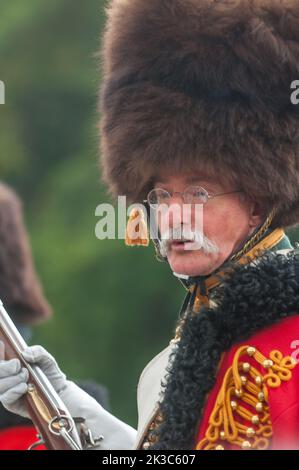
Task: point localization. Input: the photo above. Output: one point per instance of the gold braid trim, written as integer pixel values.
(243, 383)
(151, 438)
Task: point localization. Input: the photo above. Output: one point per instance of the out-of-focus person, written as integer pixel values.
(22, 294)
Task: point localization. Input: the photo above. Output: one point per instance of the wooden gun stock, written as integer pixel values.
(55, 426)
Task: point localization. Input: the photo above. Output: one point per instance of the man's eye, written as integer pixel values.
(197, 192)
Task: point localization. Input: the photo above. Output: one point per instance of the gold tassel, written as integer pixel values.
(136, 232)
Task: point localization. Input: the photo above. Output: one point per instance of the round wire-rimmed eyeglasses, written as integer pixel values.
(191, 195)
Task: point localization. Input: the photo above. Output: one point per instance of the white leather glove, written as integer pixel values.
(13, 377)
(13, 384)
(117, 435)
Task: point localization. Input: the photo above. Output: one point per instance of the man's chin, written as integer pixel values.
(191, 263)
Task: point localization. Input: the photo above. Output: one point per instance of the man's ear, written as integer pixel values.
(256, 213)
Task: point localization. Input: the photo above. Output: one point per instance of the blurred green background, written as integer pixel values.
(115, 307)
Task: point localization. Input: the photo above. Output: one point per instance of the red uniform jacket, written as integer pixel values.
(18, 438)
(273, 417)
(245, 391)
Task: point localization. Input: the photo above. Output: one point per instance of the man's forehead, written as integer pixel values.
(192, 177)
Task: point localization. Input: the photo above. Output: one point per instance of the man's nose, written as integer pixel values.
(169, 215)
(175, 210)
(177, 213)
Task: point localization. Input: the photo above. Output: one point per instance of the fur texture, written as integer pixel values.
(20, 289)
(249, 298)
(202, 84)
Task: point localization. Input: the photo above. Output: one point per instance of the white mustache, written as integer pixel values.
(201, 242)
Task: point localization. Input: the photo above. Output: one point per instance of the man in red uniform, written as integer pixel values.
(196, 108)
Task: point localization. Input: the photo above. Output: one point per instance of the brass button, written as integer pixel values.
(255, 419)
(246, 445)
(250, 432)
(261, 396)
(259, 407)
(267, 363)
(251, 350)
(243, 379)
(258, 380)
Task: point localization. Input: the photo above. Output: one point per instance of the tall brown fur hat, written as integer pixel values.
(206, 84)
(20, 289)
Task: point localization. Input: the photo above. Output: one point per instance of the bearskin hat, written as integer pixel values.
(202, 84)
(20, 289)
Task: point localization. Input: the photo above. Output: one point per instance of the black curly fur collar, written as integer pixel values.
(249, 298)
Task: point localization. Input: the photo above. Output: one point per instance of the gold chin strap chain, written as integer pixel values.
(246, 249)
(245, 384)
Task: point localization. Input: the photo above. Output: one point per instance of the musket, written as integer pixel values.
(54, 423)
